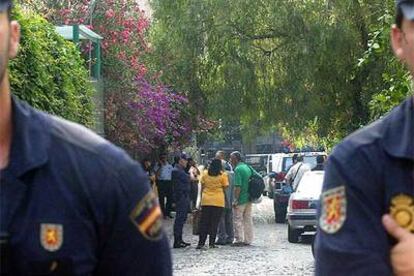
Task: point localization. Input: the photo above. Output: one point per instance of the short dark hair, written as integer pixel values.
(215, 167)
(399, 17)
(320, 159)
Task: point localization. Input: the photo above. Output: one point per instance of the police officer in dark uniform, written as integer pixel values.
(71, 203)
(182, 188)
(366, 216)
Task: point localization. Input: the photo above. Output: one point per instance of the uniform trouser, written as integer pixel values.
(225, 228)
(181, 207)
(243, 223)
(165, 191)
(210, 218)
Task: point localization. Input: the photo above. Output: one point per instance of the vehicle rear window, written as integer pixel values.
(311, 184)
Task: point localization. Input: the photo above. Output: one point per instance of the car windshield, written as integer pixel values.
(311, 184)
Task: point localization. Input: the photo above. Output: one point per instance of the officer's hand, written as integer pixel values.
(402, 254)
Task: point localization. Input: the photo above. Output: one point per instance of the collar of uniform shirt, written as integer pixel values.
(399, 134)
(29, 141)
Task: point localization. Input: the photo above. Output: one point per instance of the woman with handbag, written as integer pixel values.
(213, 182)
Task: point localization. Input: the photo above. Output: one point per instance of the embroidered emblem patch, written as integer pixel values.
(51, 236)
(147, 217)
(402, 210)
(333, 213)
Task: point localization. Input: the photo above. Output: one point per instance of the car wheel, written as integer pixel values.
(293, 235)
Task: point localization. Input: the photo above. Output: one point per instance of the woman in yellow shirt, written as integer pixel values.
(213, 182)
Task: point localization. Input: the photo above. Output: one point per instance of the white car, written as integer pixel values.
(302, 206)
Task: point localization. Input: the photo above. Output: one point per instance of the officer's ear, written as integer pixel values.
(14, 39)
(397, 41)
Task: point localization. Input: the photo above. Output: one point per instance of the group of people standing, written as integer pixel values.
(225, 205)
(219, 190)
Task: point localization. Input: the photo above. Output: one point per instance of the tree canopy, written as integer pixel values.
(313, 70)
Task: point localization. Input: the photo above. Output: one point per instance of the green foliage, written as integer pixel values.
(396, 79)
(49, 72)
(313, 70)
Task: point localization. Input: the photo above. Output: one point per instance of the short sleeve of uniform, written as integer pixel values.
(224, 180)
(351, 239)
(131, 241)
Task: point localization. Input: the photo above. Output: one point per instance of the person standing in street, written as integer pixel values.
(295, 173)
(164, 185)
(146, 166)
(366, 214)
(225, 228)
(320, 163)
(182, 188)
(242, 207)
(194, 178)
(222, 156)
(213, 183)
(71, 202)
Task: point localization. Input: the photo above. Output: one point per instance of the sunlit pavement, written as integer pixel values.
(270, 254)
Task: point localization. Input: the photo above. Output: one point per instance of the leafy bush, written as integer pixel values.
(49, 72)
(142, 114)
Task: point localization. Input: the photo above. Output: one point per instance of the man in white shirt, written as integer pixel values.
(296, 172)
(164, 185)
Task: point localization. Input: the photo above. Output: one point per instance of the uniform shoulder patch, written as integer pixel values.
(147, 217)
(402, 210)
(51, 236)
(333, 212)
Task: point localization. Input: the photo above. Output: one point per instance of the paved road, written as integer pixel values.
(270, 254)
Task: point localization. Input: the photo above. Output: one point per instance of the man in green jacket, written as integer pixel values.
(242, 207)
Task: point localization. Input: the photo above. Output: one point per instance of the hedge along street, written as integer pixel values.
(49, 72)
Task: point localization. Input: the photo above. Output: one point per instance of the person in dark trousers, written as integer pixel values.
(164, 185)
(182, 188)
(320, 160)
(71, 202)
(213, 183)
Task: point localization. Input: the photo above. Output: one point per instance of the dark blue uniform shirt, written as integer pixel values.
(181, 182)
(74, 204)
(369, 174)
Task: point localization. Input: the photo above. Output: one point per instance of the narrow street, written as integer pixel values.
(270, 254)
